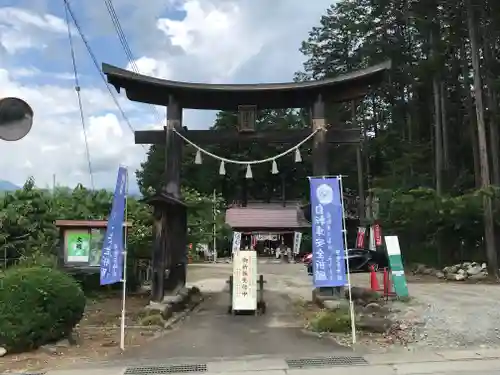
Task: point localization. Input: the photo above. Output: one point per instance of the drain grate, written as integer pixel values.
(169, 369)
(325, 361)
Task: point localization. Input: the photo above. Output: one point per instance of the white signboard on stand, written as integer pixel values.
(371, 244)
(244, 280)
(236, 241)
(297, 239)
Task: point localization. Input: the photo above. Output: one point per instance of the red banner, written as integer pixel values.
(377, 231)
(360, 239)
(254, 242)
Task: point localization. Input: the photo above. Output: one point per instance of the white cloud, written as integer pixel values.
(23, 29)
(56, 145)
(151, 67)
(235, 41)
(212, 34)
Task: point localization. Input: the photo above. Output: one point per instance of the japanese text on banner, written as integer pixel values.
(327, 231)
(112, 251)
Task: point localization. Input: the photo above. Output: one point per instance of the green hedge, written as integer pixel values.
(37, 306)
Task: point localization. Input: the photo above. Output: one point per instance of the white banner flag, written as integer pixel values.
(297, 239)
(372, 239)
(236, 241)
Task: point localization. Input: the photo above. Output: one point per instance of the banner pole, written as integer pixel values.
(124, 286)
(344, 231)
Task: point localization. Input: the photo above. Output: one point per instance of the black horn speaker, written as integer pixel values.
(16, 119)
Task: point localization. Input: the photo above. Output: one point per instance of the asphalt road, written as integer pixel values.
(210, 332)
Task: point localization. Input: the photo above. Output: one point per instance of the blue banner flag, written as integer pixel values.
(112, 250)
(327, 233)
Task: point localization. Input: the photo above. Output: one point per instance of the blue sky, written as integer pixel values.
(230, 41)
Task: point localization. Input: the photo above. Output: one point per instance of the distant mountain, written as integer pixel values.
(8, 186)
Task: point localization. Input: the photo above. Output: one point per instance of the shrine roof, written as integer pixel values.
(85, 223)
(266, 216)
(147, 89)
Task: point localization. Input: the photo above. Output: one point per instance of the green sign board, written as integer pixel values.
(78, 246)
(396, 266)
(84, 246)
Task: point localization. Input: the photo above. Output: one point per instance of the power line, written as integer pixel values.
(126, 47)
(78, 94)
(96, 64)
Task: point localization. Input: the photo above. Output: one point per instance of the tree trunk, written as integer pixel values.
(438, 135)
(492, 101)
(489, 235)
(444, 126)
(471, 117)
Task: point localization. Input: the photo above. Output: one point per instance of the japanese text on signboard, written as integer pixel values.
(245, 275)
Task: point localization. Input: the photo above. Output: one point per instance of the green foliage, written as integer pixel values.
(27, 220)
(331, 321)
(37, 259)
(436, 229)
(39, 305)
(398, 119)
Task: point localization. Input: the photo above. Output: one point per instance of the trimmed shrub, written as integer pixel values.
(37, 306)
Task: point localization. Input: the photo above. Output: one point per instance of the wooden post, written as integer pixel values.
(173, 149)
(359, 162)
(320, 162)
(320, 151)
(175, 229)
(361, 187)
(170, 220)
(158, 261)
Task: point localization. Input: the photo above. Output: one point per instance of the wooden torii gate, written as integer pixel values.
(170, 219)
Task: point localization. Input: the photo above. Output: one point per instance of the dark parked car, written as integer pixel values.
(359, 260)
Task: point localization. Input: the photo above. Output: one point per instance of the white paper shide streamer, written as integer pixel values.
(249, 173)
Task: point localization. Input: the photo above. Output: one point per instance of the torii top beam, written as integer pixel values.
(146, 89)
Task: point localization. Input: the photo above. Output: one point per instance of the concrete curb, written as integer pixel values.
(434, 356)
(189, 305)
(184, 313)
(467, 361)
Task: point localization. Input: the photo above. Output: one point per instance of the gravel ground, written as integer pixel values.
(455, 315)
(440, 315)
(448, 315)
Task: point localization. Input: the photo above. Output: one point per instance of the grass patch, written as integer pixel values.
(331, 321)
(152, 320)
